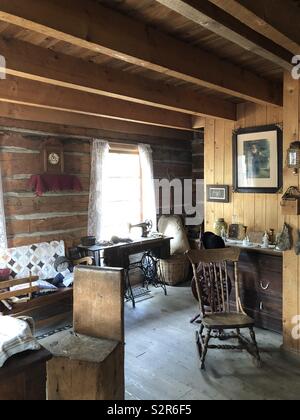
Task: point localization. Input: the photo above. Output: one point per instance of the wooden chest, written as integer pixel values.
(260, 279)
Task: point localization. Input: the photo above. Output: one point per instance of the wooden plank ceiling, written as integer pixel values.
(125, 59)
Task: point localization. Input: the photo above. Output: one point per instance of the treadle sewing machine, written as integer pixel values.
(153, 249)
(146, 228)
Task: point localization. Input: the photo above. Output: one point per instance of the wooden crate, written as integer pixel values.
(290, 207)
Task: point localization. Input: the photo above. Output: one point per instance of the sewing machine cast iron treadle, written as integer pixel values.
(118, 256)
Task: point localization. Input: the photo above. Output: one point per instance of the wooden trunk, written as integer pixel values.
(290, 207)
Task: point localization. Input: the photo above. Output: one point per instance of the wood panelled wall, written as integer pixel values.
(291, 274)
(260, 211)
(63, 215)
(257, 211)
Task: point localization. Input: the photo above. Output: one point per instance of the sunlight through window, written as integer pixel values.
(122, 194)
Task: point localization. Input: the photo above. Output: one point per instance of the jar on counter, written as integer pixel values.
(220, 226)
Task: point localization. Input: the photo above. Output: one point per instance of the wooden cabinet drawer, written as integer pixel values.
(260, 283)
(260, 302)
(263, 303)
(265, 320)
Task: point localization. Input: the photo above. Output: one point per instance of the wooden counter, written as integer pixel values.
(261, 286)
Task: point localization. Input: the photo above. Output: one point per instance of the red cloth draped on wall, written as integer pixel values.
(47, 182)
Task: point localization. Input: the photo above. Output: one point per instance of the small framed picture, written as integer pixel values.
(218, 193)
(257, 160)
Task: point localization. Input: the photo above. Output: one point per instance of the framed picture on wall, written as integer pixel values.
(257, 160)
(217, 193)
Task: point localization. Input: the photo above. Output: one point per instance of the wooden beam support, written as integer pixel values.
(99, 29)
(224, 24)
(22, 116)
(199, 122)
(39, 64)
(277, 20)
(41, 95)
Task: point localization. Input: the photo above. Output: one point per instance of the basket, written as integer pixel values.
(175, 270)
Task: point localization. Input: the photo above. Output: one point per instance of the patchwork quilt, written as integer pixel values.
(37, 259)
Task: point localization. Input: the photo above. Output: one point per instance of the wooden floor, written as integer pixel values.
(162, 363)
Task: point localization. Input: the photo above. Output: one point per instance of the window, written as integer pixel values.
(122, 193)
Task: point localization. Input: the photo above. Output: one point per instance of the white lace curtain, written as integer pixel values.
(148, 186)
(100, 152)
(3, 237)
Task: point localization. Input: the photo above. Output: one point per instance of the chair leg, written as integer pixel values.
(238, 332)
(256, 349)
(205, 349)
(199, 340)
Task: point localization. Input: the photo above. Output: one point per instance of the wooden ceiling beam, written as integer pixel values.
(102, 30)
(64, 119)
(277, 20)
(211, 17)
(41, 95)
(43, 65)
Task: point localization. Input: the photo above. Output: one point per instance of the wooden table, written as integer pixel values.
(23, 377)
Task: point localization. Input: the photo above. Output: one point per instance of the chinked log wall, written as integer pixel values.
(32, 219)
(55, 216)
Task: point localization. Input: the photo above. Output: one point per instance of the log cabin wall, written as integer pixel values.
(259, 212)
(54, 216)
(198, 155)
(32, 219)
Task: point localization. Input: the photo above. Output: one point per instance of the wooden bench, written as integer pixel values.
(38, 259)
(47, 311)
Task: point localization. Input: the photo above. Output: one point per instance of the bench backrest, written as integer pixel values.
(37, 259)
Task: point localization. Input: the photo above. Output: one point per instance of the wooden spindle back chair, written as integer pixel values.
(210, 269)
